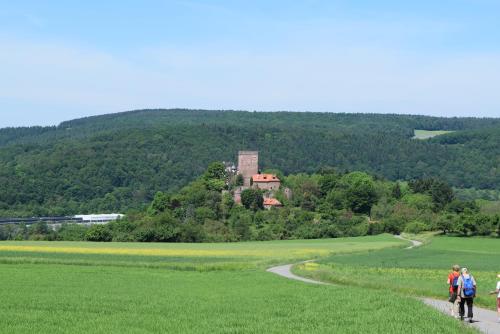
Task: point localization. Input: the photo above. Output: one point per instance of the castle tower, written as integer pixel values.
(248, 165)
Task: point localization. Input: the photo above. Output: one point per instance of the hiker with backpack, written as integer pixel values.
(466, 292)
(453, 287)
(497, 292)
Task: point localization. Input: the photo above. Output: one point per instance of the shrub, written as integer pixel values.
(72, 232)
(418, 201)
(217, 231)
(191, 232)
(98, 233)
(145, 234)
(416, 227)
(252, 199)
(360, 194)
(375, 228)
(392, 225)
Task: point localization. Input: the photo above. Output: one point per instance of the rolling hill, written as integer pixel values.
(117, 162)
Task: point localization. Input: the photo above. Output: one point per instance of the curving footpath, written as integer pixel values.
(285, 271)
(484, 320)
(414, 243)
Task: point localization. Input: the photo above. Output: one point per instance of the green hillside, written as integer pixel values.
(117, 162)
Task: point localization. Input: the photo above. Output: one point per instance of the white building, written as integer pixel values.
(100, 219)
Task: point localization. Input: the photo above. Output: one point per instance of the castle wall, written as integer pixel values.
(273, 185)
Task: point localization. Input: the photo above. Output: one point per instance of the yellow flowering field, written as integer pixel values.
(168, 252)
(246, 253)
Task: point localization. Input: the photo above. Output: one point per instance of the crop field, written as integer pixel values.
(71, 287)
(182, 256)
(421, 271)
(426, 134)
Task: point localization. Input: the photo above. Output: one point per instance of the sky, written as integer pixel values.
(61, 60)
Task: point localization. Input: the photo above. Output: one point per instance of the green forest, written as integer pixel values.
(327, 204)
(118, 162)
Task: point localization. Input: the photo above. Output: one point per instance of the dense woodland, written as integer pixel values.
(324, 204)
(116, 163)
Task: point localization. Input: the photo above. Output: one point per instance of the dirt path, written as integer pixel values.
(484, 320)
(285, 271)
(414, 243)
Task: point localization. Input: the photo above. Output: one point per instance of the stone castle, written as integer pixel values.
(248, 168)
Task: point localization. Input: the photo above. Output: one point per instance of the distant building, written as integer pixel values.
(271, 203)
(266, 181)
(99, 219)
(56, 221)
(248, 165)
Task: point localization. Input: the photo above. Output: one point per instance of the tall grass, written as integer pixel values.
(76, 299)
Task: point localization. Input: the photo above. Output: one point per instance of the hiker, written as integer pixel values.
(497, 291)
(453, 287)
(465, 293)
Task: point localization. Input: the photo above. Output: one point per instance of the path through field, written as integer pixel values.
(414, 243)
(285, 271)
(484, 320)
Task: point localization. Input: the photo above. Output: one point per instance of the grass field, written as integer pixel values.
(421, 271)
(426, 134)
(181, 256)
(133, 288)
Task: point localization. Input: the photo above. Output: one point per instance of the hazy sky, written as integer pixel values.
(65, 59)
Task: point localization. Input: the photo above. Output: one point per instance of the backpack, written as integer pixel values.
(468, 286)
(454, 283)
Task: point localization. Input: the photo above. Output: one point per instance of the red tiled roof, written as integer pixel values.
(271, 202)
(265, 178)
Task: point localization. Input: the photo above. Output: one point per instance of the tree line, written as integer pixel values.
(325, 204)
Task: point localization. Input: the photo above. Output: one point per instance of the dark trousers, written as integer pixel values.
(469, 302)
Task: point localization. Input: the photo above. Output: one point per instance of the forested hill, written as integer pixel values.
(117, 162)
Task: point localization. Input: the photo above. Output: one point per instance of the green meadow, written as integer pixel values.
(420, 271)
(426, 134)
(73, 287)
